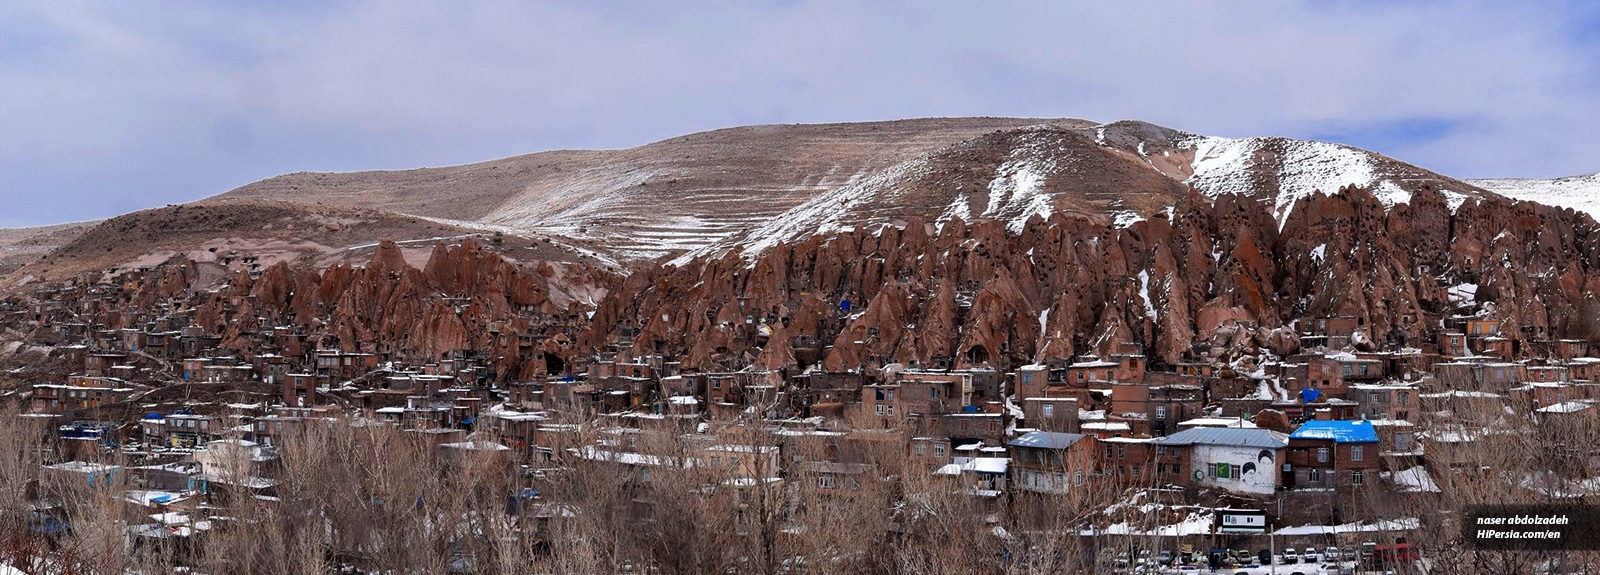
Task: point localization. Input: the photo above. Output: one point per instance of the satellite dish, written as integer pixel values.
(1199, 475)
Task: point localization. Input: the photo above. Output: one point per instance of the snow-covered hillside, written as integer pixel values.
(1580, 193)
(1301, 168)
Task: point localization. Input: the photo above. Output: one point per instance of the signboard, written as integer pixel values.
(1241, 521)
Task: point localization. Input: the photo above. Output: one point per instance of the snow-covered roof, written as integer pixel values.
(1338, 431)
(1565, 407)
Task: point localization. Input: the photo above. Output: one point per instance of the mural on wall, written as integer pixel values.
(1244, 469)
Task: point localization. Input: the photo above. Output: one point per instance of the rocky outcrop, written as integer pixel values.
(1217, 277)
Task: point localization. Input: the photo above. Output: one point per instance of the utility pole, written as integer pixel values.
(1272, 546)
(1272, 539)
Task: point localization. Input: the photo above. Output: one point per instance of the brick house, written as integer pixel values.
(1052, 463)
(1332, 454)
(1232, 459)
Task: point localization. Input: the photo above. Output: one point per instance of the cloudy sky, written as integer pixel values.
(112, 108)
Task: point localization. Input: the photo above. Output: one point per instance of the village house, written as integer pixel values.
(1384, 401)
(1330, 332)
(1231, 459)
(80, 393)
(1128, 459)
(1051, 463)
(1051, 414)
(1332, 454)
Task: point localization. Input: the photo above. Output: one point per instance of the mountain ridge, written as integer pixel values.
(749, 188)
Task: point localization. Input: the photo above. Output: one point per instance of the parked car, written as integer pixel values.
(1290, 556)
(1330, 554)
(1264, 556)
(1310, 555)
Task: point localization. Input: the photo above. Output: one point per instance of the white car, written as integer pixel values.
(1290, 556)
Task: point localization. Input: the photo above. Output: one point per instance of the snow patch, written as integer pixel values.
(1124, 219)
(1228, 166)
(1580, 193)
(1144, 293)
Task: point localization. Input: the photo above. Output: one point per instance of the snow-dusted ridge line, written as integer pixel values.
(1580, 193)
(1229, 165)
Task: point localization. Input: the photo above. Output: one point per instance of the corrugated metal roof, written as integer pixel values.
(1340, 431)
(1265, 438)
(1047, 440)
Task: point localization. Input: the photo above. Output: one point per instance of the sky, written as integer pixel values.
(112, 107)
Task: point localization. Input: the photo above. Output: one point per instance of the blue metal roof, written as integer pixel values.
(1338, 431)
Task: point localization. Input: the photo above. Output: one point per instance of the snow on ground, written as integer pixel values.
(1017, 191)
(823, 213)
(1580, 193)
(1403, 524)
(1317, 253)
(1228, 166)
(1463, 293)
(1453, 200)
(1144, 293)
(1415, 479)
(1124, 219)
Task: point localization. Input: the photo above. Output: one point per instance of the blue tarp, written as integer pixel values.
(1338, 431)
(1309, 395)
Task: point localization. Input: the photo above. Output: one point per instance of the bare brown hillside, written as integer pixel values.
(647, 201)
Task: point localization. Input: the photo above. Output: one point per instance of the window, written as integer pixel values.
(1348, 369)
(1077, 478)
(1358, 478)
(1322, 455)
(1108, 451)
(891, 411)
(938, 449)
(933, 392)
(891, 395)
(1402, 398)
(1356, 452)
(1161, 450)
(1177, 451)
(1027, 379)
(1049, 410)
(1315, 475)
(1135, 471)
(825, 481)
(880, 410)
(1122, 451)
(922, 449)
(1161, 412)
(1038, 456)
(716, 384)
